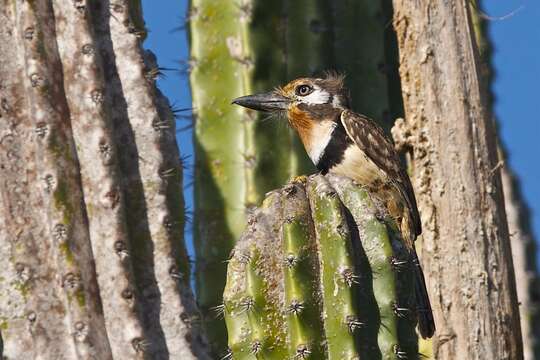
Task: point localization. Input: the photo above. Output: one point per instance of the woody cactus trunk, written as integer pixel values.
(321, 273)
(93, 263)
(254, 46)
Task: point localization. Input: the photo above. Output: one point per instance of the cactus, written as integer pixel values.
(319, 273)
(236, 48)
(91, 208)
(360, 43)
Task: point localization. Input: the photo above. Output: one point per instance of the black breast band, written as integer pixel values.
(335, 150)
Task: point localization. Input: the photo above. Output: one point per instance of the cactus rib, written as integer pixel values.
(335, 256)
(302, 306)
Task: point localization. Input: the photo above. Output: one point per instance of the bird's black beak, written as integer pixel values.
(270, 101)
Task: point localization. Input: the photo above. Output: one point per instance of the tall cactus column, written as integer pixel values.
(308, 52)
(320, 273)
(236, 49)
(359, 52)
(95, 265)
(455, 159)
(223, 175)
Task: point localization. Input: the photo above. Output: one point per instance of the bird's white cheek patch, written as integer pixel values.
(317, 97)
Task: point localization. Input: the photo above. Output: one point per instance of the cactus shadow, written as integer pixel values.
(368, 313)
(213, 242)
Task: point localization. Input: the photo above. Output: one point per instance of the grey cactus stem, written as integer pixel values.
(439, 60)
(67, 234)
(524, 248)
(92, 131)
(153, 174)
(76, 61)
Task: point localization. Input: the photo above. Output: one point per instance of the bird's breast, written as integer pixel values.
(356, 165)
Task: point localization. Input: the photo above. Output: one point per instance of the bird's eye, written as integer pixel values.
(303, 90)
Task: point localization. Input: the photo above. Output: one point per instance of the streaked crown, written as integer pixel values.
(317, 91)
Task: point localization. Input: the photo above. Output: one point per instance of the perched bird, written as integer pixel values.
(343, 142)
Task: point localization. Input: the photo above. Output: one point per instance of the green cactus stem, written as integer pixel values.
(302, 305)
(388, 260)
(223, 169)
(322, 273)
(308, 52)
(336, 269)
(359, 52)
(236, 49)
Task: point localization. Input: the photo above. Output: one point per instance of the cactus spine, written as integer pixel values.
(332, 278)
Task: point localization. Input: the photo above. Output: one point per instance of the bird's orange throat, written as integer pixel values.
(314, 133)
(303, 123)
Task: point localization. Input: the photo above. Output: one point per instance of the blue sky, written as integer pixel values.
(516, 39)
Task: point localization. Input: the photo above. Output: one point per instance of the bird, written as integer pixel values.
(343, 142)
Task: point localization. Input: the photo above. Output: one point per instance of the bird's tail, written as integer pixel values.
(426, 323)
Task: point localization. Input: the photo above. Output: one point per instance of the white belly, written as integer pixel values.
(357, 166)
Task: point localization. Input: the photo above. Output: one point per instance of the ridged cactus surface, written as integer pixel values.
(320, 273)
(93, 261)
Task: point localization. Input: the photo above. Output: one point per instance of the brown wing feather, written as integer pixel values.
(371, 139)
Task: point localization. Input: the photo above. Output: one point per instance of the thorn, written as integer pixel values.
(302, 352)
(499, 165)
(256, 347)
(167, 172)
(140, 345)
(184, 161)
(354, 323)
(401, 312)
(290, 261)
(228, 355)
(159, 125)
(247, 304)
(399, 353)
(154, 73)
(243, 257)
(175, 274)
(176, 110)
(295, 307)
(219, 311)
(121, 249)
(350, 277)
(399, 264)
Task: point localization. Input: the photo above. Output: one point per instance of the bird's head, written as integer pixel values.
(311, 105)
(303, 100)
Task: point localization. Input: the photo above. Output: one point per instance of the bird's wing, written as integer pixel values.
(372, 140)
